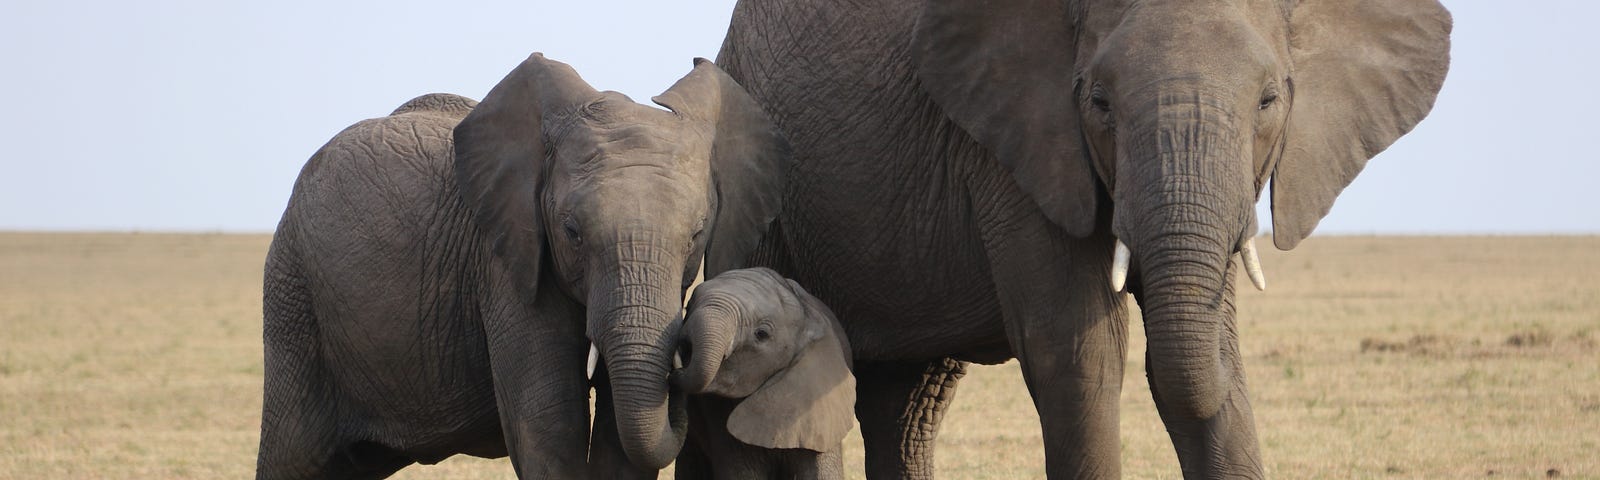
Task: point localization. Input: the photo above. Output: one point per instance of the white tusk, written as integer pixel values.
(594, 358)
(1252, 264)
(1119, 267)
(677, 359)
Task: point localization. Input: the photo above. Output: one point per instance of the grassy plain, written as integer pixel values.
(139, 356)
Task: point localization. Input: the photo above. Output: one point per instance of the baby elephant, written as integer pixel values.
(771, 369)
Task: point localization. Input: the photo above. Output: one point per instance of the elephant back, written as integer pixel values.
(448, 104)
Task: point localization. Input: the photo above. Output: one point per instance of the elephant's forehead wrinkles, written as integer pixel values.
(630, 143)
(634, 138)
(633, 166)
(613, 132)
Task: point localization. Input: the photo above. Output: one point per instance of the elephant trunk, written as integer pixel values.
(1183, 292)
(1192, 360)
(1181, 209)
(708, 330)
(635, 316)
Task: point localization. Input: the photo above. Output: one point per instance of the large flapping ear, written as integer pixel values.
(809, 405)
(749, 161)
(501, 153)
(1365, 72)
(1003, 71)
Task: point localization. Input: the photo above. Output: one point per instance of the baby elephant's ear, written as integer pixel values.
(810, 405)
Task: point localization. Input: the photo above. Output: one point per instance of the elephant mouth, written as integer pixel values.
(1121, 258)
(673, 376)
(594, 360)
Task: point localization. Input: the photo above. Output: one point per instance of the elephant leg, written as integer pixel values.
(829, 466)
(807, 465)
(301, 436)
(899, 406)
(1069, 331)
(607, 460)
(299, 433)
(537, 359)
(694, 461)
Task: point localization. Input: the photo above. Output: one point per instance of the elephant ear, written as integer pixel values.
(1004, 72)
(819, 311)
(501, 153)
(1365, 72)
(749, 161)
(809, 405)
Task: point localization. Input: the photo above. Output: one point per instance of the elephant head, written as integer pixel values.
(624, 201)
(754, 335)
(1178, 113)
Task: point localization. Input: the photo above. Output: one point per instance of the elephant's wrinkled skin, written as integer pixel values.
(964, 169)
(768, 366)
(434, 286)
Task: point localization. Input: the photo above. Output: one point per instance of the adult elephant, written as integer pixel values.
(433, 286)
(976, 180)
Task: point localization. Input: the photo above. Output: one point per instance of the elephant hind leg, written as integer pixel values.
(900, 406)
(300, 433)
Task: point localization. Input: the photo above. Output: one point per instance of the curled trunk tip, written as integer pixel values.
(709, 329)
(636, 320)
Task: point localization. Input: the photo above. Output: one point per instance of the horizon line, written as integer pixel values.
(1268, 233)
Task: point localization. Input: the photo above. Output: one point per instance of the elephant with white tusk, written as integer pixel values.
(440, 272)
(983, 180)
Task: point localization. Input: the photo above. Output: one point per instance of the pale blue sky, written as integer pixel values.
(197, 115)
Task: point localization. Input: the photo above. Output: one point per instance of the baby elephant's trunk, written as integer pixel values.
(708, 330)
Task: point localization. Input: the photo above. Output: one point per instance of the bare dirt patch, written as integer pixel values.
(1530, 339)
(1417, 344)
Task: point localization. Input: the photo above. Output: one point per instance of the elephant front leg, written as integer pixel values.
(900, 406)
(1068, 330)
(1075, 378)
(537, 357)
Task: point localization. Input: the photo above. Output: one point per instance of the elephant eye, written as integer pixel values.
(762, 335)
(699, 232)
(1098, 99)
(1267, 101)
(571, 227)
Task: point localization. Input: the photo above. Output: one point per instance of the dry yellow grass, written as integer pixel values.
(139, 356)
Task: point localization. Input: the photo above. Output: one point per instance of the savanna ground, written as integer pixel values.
(139, 356)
